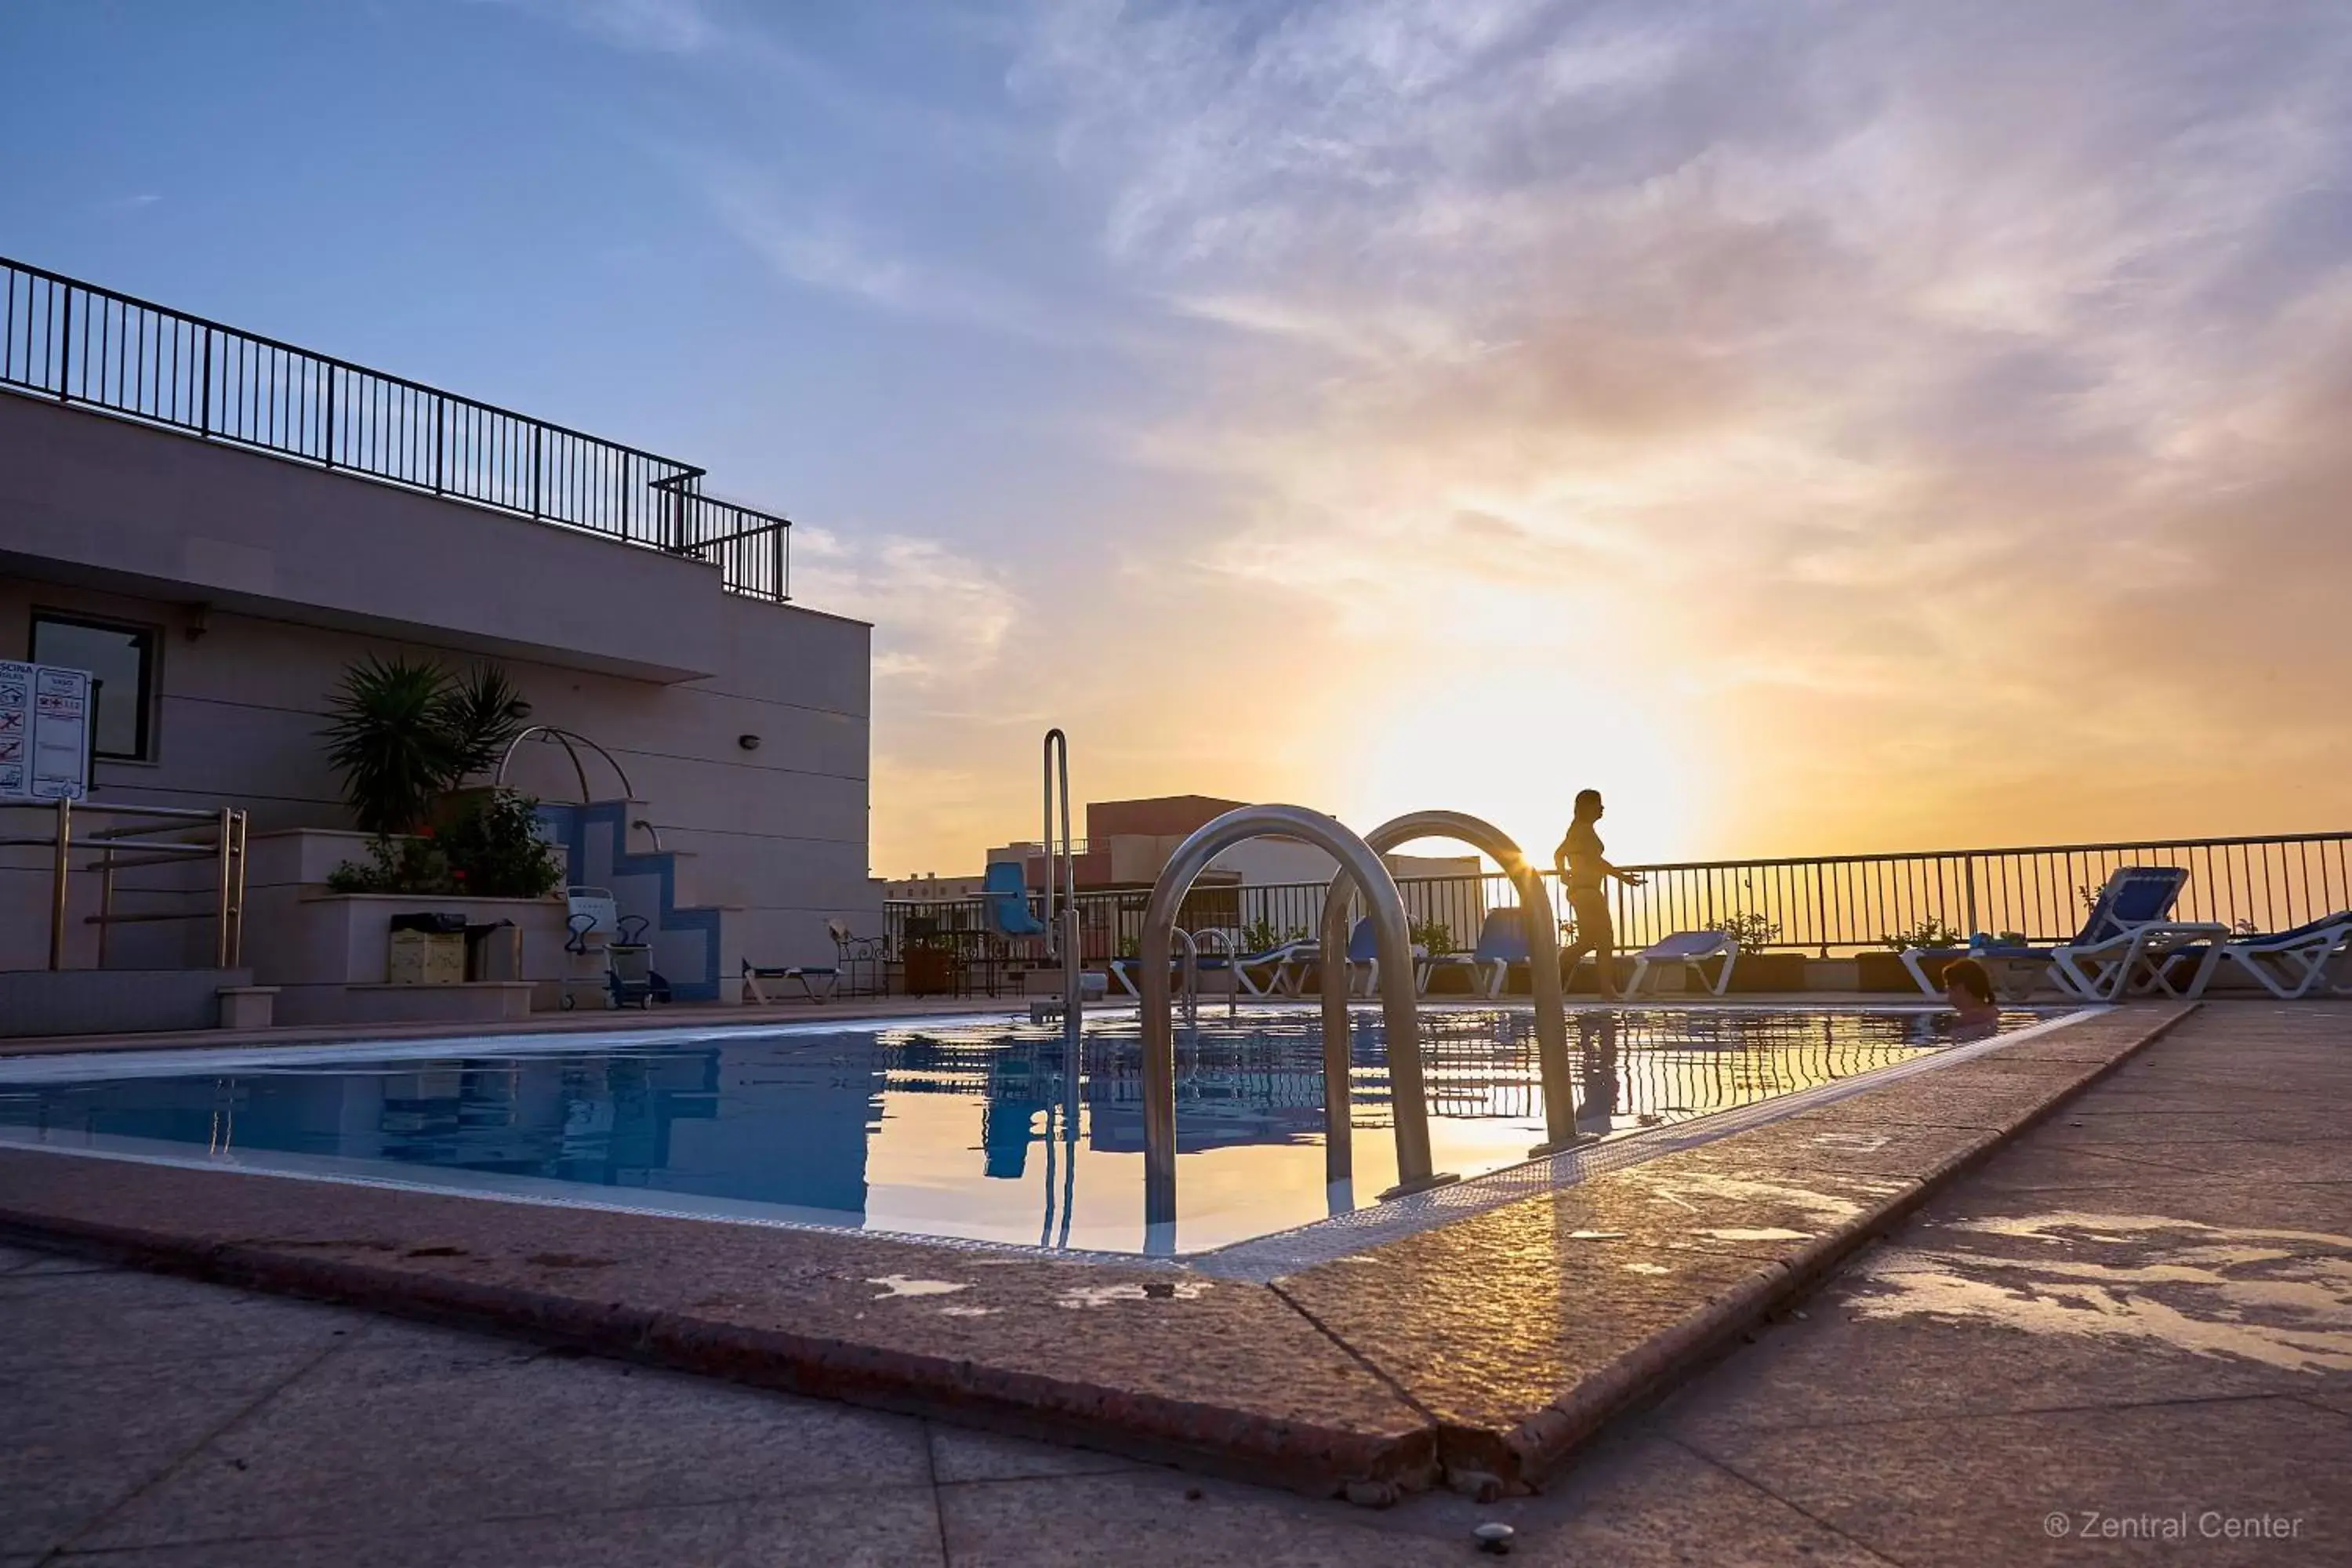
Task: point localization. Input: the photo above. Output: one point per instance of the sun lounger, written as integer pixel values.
(2122, 936)
(1363, 950)
(1502, 941)
(1694, 948)
(1126, 970)
(818, 982)
(2289, 964)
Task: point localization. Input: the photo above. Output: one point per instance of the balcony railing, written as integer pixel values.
(1823, 904)
(93, 348)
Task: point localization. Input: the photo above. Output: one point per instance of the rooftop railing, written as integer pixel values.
(1822, 904)
(93, 348)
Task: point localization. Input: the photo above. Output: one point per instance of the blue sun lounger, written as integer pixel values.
(2289, 964)
(2124, 939)
(1502, 941)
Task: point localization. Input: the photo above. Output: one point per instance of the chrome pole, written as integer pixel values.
(222, 870)
(60, 870)
(105, 899)
(1062, 869)
(236, 909)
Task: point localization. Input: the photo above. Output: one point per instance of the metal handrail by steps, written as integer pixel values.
(154, 837)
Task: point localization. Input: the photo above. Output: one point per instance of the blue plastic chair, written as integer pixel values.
(1004, 894)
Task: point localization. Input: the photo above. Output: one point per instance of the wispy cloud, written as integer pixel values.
(1861, 367)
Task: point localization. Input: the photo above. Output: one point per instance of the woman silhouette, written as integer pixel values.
(1584, 872)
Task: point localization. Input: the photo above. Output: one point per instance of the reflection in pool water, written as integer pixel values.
(957, 1129)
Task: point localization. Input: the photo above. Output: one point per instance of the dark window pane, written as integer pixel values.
(118, 658)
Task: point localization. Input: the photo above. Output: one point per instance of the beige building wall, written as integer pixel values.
(265, 579)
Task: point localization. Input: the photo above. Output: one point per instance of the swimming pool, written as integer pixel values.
(954, 1128)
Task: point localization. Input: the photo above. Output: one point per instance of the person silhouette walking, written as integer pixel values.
(1584, 872)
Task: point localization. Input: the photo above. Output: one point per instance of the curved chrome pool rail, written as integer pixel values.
(1392, 939)
(1062, 877)
(1543, 963)
(1218, 942)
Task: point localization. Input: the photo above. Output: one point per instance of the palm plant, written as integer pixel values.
(482, 714)
(391, 741)
(405, 731)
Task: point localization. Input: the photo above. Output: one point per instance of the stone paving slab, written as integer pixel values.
(1940, 1490)
(878, 1528)
(1373, 1379)
(78, 1440)
(365, 1436)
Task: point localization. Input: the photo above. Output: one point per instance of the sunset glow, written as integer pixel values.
(1822, 426)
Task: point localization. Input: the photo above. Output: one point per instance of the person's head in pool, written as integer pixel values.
(1968, 987)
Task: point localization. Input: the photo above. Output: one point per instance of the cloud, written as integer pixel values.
(942, 620)
(1948, 385)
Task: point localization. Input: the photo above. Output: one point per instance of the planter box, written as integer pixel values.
(1770, 972)
(1884, 972)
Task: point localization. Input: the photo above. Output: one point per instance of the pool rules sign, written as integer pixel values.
(45, 733)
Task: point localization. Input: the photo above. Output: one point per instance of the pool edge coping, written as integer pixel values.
(1313, 1459)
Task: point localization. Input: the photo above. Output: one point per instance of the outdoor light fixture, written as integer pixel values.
(748, 743)
(518, 708)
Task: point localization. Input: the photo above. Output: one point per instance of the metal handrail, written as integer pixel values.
(549, 734)
(81, 344)
(1062, 910)
(226, 851)
(1543, 950)
(1400, 1002)
(1190, 989)
(1223, 941)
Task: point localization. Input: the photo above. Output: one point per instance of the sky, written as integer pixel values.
(1822, 426)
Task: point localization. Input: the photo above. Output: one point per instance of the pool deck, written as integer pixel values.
(2123, 1334)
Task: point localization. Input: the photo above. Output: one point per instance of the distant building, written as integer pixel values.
(1129, 843)
(931, 887)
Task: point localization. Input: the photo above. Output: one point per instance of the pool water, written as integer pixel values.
(955, 1128)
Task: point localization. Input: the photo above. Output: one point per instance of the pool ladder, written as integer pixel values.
(1361, 875)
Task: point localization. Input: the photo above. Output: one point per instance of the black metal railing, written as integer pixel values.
(93, 348)
(1824, 904)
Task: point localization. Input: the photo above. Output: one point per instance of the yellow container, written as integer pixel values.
(426, 958)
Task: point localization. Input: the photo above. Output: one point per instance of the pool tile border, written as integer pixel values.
(1370, 1373)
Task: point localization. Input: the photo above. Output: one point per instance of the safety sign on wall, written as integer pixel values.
(44, 734)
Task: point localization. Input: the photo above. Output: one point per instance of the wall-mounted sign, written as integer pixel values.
(45, 732)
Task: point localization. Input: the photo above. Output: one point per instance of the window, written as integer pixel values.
(121, 660)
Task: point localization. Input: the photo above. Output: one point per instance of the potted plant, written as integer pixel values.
(1884, 971)
(406, 734)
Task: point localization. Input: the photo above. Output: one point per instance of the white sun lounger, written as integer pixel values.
(1694, 948)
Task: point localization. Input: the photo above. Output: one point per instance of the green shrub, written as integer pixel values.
(405, 864)
(1748, 929)
(1261, 935)
(495, 850)
(1433, 936)
(1929, 933)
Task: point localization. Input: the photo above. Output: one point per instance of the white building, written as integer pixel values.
(218, 526)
